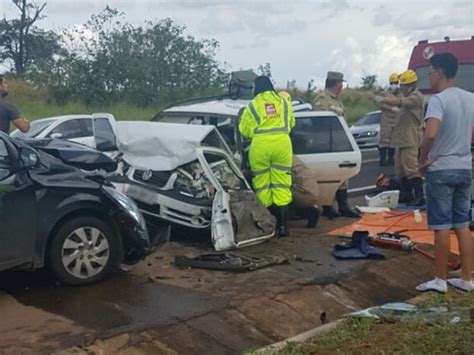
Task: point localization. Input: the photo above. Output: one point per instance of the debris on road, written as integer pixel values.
(228, 262)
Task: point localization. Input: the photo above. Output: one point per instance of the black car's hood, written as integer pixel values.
(74, 154)
(61, 163)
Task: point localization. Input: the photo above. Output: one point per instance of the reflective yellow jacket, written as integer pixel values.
(267, 114)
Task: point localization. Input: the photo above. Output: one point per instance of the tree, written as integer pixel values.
(369, 82)
(310, 92)
(23, 44)
(109, 61)
(265, 69)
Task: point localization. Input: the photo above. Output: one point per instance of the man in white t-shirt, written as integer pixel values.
(446, 162)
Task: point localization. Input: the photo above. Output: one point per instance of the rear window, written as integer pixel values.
(464, 78)
(313, 135)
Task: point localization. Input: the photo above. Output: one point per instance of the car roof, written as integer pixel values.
(63, 117)
(230, 107)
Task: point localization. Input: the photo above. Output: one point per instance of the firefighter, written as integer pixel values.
(267, 121)
(388, 121)
(406, 137)
(328, 100)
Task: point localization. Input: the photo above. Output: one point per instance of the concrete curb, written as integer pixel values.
(320, 331)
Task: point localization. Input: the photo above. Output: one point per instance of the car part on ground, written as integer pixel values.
(76, 224)
(228, 262)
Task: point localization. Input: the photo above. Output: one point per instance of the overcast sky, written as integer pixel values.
(301, 39)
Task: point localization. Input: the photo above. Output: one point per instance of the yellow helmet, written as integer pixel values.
(285, 95)
(393, 78)
(408, 77)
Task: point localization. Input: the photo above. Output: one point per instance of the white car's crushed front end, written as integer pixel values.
(195, 185)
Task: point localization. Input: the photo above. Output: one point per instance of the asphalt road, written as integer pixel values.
(365, 181)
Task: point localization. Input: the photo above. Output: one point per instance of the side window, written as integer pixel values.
(87, 127)
(69, 129)
(314, 135)
(104, 135)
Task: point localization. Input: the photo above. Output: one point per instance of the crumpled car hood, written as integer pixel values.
(74, 154)
(61, 164)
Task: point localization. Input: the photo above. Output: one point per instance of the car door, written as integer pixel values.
(323, 142)
(73, 130)
(105, 133)
(17, 209)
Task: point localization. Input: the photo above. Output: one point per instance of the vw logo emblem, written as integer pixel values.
(147, 174)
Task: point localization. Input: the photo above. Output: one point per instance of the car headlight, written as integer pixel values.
(369, 134)
(127, 204)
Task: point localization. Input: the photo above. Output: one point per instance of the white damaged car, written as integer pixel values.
(185, 175)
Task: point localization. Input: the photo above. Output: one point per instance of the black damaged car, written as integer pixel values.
(57, 210)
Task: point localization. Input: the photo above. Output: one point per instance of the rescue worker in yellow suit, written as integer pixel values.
(267, 121)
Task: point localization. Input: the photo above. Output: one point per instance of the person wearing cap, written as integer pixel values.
(406, 137)
(328, 100)
(388, 120)
(267, 122)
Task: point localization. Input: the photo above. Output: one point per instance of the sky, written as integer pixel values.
(301, 39)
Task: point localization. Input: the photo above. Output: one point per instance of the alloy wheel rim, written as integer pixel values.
(85, 252)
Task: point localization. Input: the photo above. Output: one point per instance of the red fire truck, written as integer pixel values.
(462, 49)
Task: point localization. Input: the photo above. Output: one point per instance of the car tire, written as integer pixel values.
(83, 250)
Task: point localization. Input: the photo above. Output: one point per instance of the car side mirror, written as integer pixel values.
(56, 135)
(29, 158)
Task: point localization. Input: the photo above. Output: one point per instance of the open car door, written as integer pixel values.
(238, 217)
(105, 132)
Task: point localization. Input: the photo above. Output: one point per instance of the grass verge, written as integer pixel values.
(370, 336)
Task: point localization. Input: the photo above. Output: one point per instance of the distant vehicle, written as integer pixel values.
(91, 130)
(462, 49)
(321, 139)
(366, 131)
(58, 211)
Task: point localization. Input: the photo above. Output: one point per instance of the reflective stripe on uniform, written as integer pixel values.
(273, 166)
(254, 113)
(281, 167)
(273, 186)
(283, 129)
(260, 172)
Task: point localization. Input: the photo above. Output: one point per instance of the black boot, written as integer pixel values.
(330, 212)
(282, 229)
(312, 214)
(419, 198)
(383, 156)
(391, 157)
(344, 208)
(406, 191)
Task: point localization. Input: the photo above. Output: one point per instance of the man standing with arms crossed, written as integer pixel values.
(328, 100)
(8, 113)
(446, 160)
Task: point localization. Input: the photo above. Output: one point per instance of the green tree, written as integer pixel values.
(369, 82)
(111, 61)
(265, 69)
(23, 45)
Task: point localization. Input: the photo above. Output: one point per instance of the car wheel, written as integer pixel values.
(83, 250)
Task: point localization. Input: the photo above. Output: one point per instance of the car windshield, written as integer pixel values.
(36, 127)
(372, 118)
